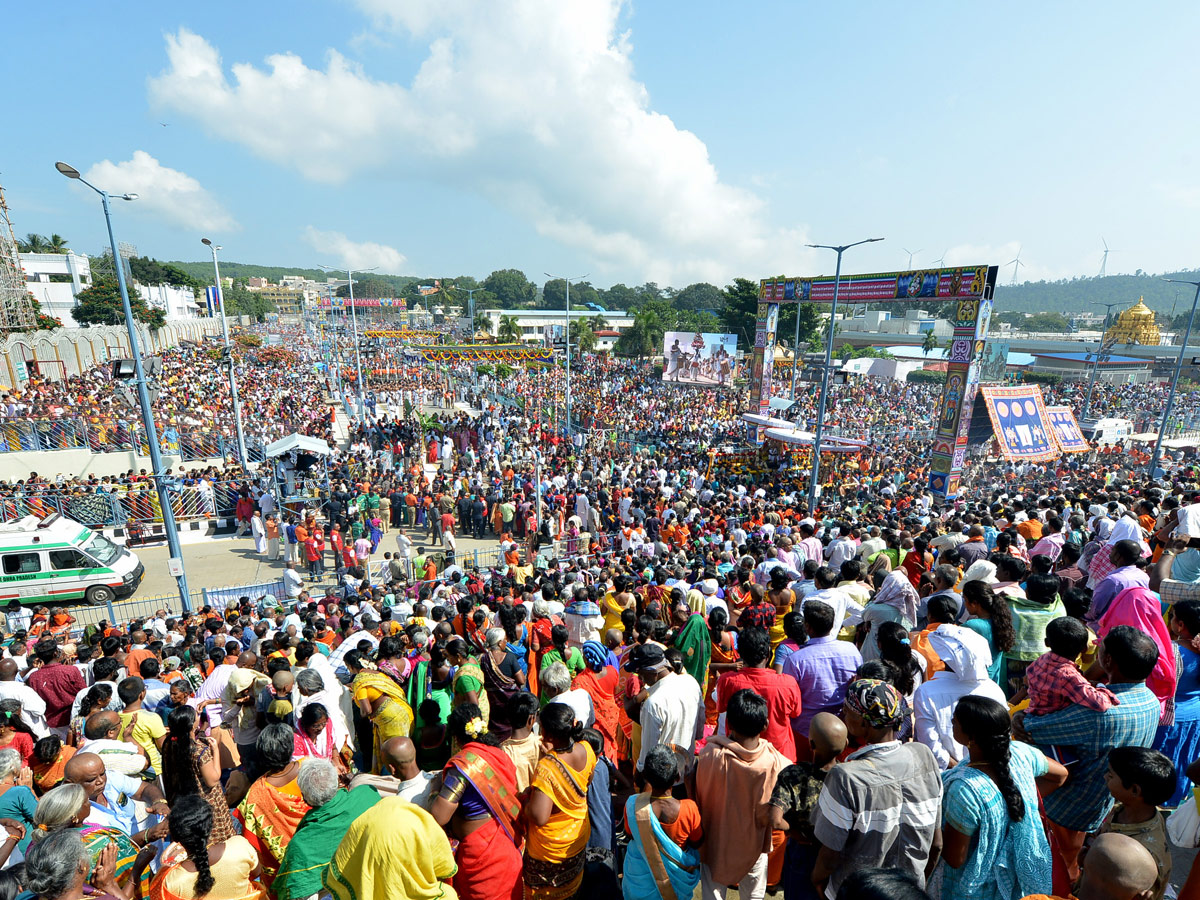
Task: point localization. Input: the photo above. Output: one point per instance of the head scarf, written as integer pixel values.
(965, 652)
(696, 601)
(394, 849)
(596, 655)
(980, 570)
(897, 591)
(1140, 608)
(876, 701)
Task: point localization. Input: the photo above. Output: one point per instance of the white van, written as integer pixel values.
(58, 560)
(1108, 431)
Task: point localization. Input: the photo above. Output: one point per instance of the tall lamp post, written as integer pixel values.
(567, 341)
(243, 459)
(358, 376)
(815, 475)
(164, 497)
(1162, 428)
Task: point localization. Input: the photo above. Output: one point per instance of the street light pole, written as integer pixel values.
(567, 342)
(243, 459)
(814, 477)
(1102, 354)
(164, 497)
(1162, 428)
(358, 376)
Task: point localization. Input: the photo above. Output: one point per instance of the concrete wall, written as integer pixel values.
(17, 465)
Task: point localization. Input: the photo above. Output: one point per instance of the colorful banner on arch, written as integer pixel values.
(508, 353)
(1021, 423)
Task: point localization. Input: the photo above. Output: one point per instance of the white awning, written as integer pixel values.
(805, 439)
(300, 442)
(766, 421)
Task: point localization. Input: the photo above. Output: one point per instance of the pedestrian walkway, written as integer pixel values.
(341, 426)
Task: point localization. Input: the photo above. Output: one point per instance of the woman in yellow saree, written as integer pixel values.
(556, 810)
(191, 869)
(382, 701)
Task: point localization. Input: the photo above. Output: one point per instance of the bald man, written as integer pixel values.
(112, 798)
(402, 778)
(1116, 868)
(33, 707)
(102, 736)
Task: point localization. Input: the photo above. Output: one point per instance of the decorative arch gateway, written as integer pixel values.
(973, 287)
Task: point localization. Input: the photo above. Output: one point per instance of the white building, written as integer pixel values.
(532, 323)
(55, 279)
(57, 297)
(176, 302)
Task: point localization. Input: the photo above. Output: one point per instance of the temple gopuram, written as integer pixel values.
(1135, 326)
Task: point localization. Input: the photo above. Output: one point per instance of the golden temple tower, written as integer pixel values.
(1135, 326)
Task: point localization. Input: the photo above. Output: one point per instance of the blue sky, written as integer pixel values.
(667, 141)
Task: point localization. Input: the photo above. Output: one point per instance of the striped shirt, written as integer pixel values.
(880, 808)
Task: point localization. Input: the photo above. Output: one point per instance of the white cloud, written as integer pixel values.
(531, 104)
(355, 255)
(166, 193)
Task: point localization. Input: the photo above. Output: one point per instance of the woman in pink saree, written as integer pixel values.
(1140, 608)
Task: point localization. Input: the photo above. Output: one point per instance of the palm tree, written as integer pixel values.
(56, 243)
(508, 332)
(598, 323)
(483, 322)
(33, 243)
(929, 342)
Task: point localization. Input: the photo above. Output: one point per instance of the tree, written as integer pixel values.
(369, 287)
(100, 304)
(483, 322)
(511, 288)
(1052, 322)
(508, 331)
(554, 294)
(644, 337)
(701, 296)
(56, 243)
(582, 336)
(739, 312)
(598, 322)
(242, 302)
(619, 297)
(33, 243)
(929, 342)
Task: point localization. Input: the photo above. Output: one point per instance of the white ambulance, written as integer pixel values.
(58, 560)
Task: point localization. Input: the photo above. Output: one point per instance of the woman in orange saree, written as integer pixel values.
(600, 679)
(477, 805)
(273, 807)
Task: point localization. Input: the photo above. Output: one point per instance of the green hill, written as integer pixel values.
(204, 272)
(1077, 295)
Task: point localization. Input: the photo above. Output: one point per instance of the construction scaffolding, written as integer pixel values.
(16, 303)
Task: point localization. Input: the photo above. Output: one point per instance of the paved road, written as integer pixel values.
(219, 562)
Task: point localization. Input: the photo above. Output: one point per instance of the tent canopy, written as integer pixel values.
(298, 442)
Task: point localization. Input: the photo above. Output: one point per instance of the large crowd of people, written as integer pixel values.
(673, 678)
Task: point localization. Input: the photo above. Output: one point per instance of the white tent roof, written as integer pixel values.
(298, 442)
(829, 444)
(768, 421)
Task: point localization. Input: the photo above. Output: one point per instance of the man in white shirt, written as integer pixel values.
(872, 545)
(292, 582)
(672, 713)
(841, 548)
(556, 685)
(33, 707)
(845, 610)
(405, 545)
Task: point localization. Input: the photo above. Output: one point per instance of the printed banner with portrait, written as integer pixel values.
(1067, 433)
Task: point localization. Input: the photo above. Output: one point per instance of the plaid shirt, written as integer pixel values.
(761, 615)
(1082, 803)
(1054, 682)
(1172, 591)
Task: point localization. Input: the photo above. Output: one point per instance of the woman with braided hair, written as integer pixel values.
(193, 868)
(994, 844)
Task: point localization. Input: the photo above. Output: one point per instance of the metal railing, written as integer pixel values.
(33, 435)
(138, 503)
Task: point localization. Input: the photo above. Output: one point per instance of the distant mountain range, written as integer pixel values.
(1077, 295)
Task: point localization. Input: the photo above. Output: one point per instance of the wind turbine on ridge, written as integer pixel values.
(1016, 263)
(911, 253)
(1104, 258)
